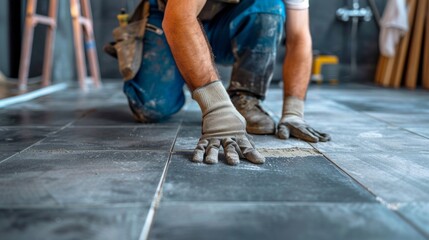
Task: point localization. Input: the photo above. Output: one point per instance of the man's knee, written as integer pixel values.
(154, 108)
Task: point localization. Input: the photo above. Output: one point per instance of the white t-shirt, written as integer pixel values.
(297, 4)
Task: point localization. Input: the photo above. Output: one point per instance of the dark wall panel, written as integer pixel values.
(329, 36)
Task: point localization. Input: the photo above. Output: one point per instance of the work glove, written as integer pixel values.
(222, 126)
(292, 123)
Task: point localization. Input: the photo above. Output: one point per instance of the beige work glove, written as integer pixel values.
(222, 125)
(292, 123)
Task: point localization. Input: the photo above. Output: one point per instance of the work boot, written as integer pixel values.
(258, 120)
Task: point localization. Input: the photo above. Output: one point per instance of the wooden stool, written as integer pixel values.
(82, 27)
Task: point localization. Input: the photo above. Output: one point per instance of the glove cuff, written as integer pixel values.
(211, 97)
(293, 106)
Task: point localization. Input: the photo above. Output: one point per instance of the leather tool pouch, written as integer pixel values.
(128, 45)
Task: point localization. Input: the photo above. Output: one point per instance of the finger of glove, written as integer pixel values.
(249, 152)
(250, 139)
(323, 137)
(283, 132)
(212, 152)
(303, 134)
(232, 151)
(198, 155)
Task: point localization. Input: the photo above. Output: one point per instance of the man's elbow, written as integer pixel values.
(174, 20)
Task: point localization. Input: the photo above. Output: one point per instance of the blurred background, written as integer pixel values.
(330, 36)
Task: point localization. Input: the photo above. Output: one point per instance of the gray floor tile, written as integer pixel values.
(191, 118)
(403, 120)
(272, 142)
(64, 178)
(119, 116)
(17, 139)
(29, 117)
(195, 220)
(79, 223)
(306, 179)
(393, 177)
(372, 139)
(329, 120)
(422, 131)
(418, 214)
(389, 105)
(187, 138)
(138, 138)
(6, 154)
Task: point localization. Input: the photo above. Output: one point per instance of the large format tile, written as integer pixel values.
(119, 116)
(87, 138)
(75, 223)
(187, 138)
(372, 139)
(387, 105)
(418, 214)
(307, 179)
(196, 220)
(422, 131)
(6, 154)
(59, 178)
(394, 177)
(30, 117)
(401, 119)
(17, 139)
(342, 121)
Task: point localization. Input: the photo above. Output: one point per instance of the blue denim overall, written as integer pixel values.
(245, 35)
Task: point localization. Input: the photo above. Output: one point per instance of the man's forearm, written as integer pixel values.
(188, 42)
(298, 59)
(296, 71)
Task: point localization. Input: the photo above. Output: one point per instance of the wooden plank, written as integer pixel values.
(416, 46)
(403, 48)
(425, 81)
(380, 70)
(388, 71)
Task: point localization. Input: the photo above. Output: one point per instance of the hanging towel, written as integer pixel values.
(2, 77)
(394, 25)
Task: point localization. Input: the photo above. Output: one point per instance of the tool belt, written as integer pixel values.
(128, 45)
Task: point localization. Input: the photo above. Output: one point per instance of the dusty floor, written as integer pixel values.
(76, 166)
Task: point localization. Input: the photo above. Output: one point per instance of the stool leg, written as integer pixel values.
(78, 43)
(27, 44)
(90, 45)
(49, 45)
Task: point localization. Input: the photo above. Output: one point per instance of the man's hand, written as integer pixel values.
(222, 125)
(296, 127)
(292, 123)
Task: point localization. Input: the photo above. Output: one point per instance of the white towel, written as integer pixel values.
(394, 25)
(2, 77)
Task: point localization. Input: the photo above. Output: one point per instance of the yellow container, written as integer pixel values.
(326, 62)
(123, 18)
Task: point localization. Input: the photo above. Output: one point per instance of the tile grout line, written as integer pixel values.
(144, 234)
(393, 125)
(405, 219)
(49, 134)
(377, 198)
